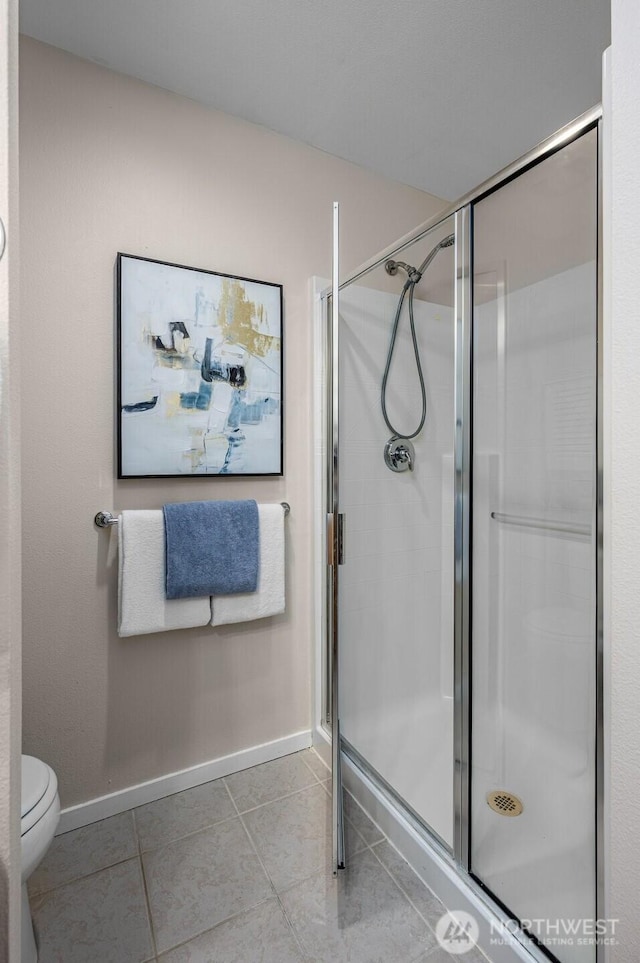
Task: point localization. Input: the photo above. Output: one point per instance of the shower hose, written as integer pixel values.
(409, 287)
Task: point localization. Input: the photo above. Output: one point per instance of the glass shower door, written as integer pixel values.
(533, 745)
(395, 598)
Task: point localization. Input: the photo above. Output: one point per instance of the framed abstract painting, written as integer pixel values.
(199, 372)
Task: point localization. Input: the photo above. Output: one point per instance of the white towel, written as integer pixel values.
(142, 606)
(268, 599)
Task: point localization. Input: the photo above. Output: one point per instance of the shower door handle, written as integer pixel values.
(340, 539)
(330, 539)
(335, 538)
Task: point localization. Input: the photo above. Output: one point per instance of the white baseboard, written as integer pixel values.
(144, 792)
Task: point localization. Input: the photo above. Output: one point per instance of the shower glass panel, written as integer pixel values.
(395, 603)
(533, 543)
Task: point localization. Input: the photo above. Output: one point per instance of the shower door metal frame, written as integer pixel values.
(462, 210)
(334, 553)
(463, 366)
(588, 122)
(598, 528)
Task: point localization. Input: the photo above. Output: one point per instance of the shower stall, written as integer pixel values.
(462, 661)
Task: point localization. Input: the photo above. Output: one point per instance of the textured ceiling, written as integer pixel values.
(438, 94)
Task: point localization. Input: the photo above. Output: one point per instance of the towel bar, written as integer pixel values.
(551, 524)
(106, 519)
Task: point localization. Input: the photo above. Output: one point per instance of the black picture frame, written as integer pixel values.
(177, 371)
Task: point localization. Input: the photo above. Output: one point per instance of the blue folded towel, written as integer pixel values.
(213, 548)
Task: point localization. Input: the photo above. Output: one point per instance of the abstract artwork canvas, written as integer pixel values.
(199, 373)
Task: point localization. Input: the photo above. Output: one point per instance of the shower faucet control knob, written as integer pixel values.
(399, 454)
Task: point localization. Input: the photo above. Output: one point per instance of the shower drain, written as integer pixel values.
(504, 803)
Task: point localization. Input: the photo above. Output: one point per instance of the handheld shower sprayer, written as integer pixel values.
(414, 275)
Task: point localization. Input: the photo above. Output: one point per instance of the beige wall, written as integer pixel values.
(110, 164)
(9, 496)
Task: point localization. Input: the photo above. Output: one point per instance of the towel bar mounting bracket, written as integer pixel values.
(105, 519)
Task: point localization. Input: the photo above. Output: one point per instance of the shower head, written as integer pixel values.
(392, 267)
(415, 274)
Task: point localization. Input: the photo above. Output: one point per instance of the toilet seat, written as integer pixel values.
(39, 792)
(40, 813)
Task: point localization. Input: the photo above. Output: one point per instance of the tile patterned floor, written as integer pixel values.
(235, 871)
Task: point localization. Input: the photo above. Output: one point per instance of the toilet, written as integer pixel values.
(40, 813)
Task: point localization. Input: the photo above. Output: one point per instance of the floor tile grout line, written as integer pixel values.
(141, 849)
(364, 848)
(251, 841)
(237, 813)
(313, 770)
(130, 859)
(366, 814)
(419, 878)
(294, 792)
(355, 828)
(406, 895)
(92, 823)
(425, 955)
(140, 852)
(135, 831)
(210, 929)
(147, 901)
(318, 756)
(254, 846)
(294, 931)
(329, 876)
(165, 842)
(194, 832)
(145, 887)
(116, 862)
(403, 891)
(79, 879)
(230, 795)
(304, 879)
(237, 816)
(273, 894)
(315, 752)
(319, 872)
